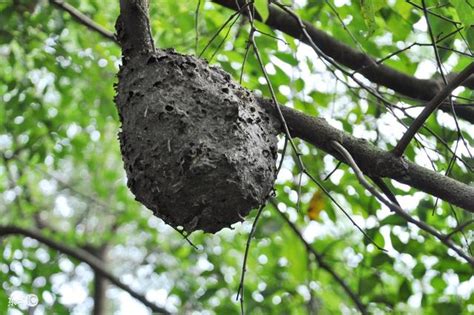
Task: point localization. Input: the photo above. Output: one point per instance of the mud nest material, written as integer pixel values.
(198, 149)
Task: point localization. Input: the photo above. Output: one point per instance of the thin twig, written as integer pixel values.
(434, 13)
(360, 176)
(85, 196)
(332, 172)
(244, 61)
(84, 19)
(459, 228)
(344, 26)
(196, 27)
(224, 39)
(287, 131)
(433, 43)
(399, 51)
(323, 264)
(240, 290)
(283, 153)
(445, 81)
(282, 20)
(430, 108)
(229, 19)
(367, 236)
(328, 60)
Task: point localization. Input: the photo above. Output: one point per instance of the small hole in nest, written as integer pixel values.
(169, 108)
(252, 109)
(249, 120)
(225, 90)
(152, 59)
(266, 153)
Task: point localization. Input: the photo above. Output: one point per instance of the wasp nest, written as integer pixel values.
(198, 149)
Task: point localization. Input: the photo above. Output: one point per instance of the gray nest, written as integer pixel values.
(198, 149)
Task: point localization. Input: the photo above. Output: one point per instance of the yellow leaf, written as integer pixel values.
(316, 205)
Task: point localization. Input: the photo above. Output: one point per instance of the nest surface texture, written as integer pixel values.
(198, 149)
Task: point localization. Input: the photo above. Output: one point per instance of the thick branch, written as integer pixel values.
(133, 28)
(430, 107)
(82, 256)
(331, 48)
(374, 161)
(377, 73)
(469, 82)
(100, 283)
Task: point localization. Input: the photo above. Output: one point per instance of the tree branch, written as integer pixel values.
(374, 161)
(459, 228)
(469, 82)
(430, 108)
(83, 256)
(323, 264)
(133, 28)
(333, 48)
(396, 208)
(366, 65)
(84, 19)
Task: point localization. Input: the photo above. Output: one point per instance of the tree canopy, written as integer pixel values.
(372, 209)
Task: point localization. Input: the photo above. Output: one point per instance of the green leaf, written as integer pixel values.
(447, 308)
(465, 11)
(367, 285)
(438, 283)
(368, 13)
(381, 259)
(393, 220)
(368, 10)
(262, 8)
(286, 57)
(404, 292)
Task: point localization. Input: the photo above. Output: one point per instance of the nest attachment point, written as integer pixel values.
(198, 149)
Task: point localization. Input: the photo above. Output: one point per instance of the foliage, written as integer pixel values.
(62, 168)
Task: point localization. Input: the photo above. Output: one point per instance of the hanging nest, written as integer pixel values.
(198, 149)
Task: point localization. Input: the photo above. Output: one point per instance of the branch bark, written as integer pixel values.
(402, 83)
(374, 161)
(83, 256)
(133, 28)
(100, 283)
